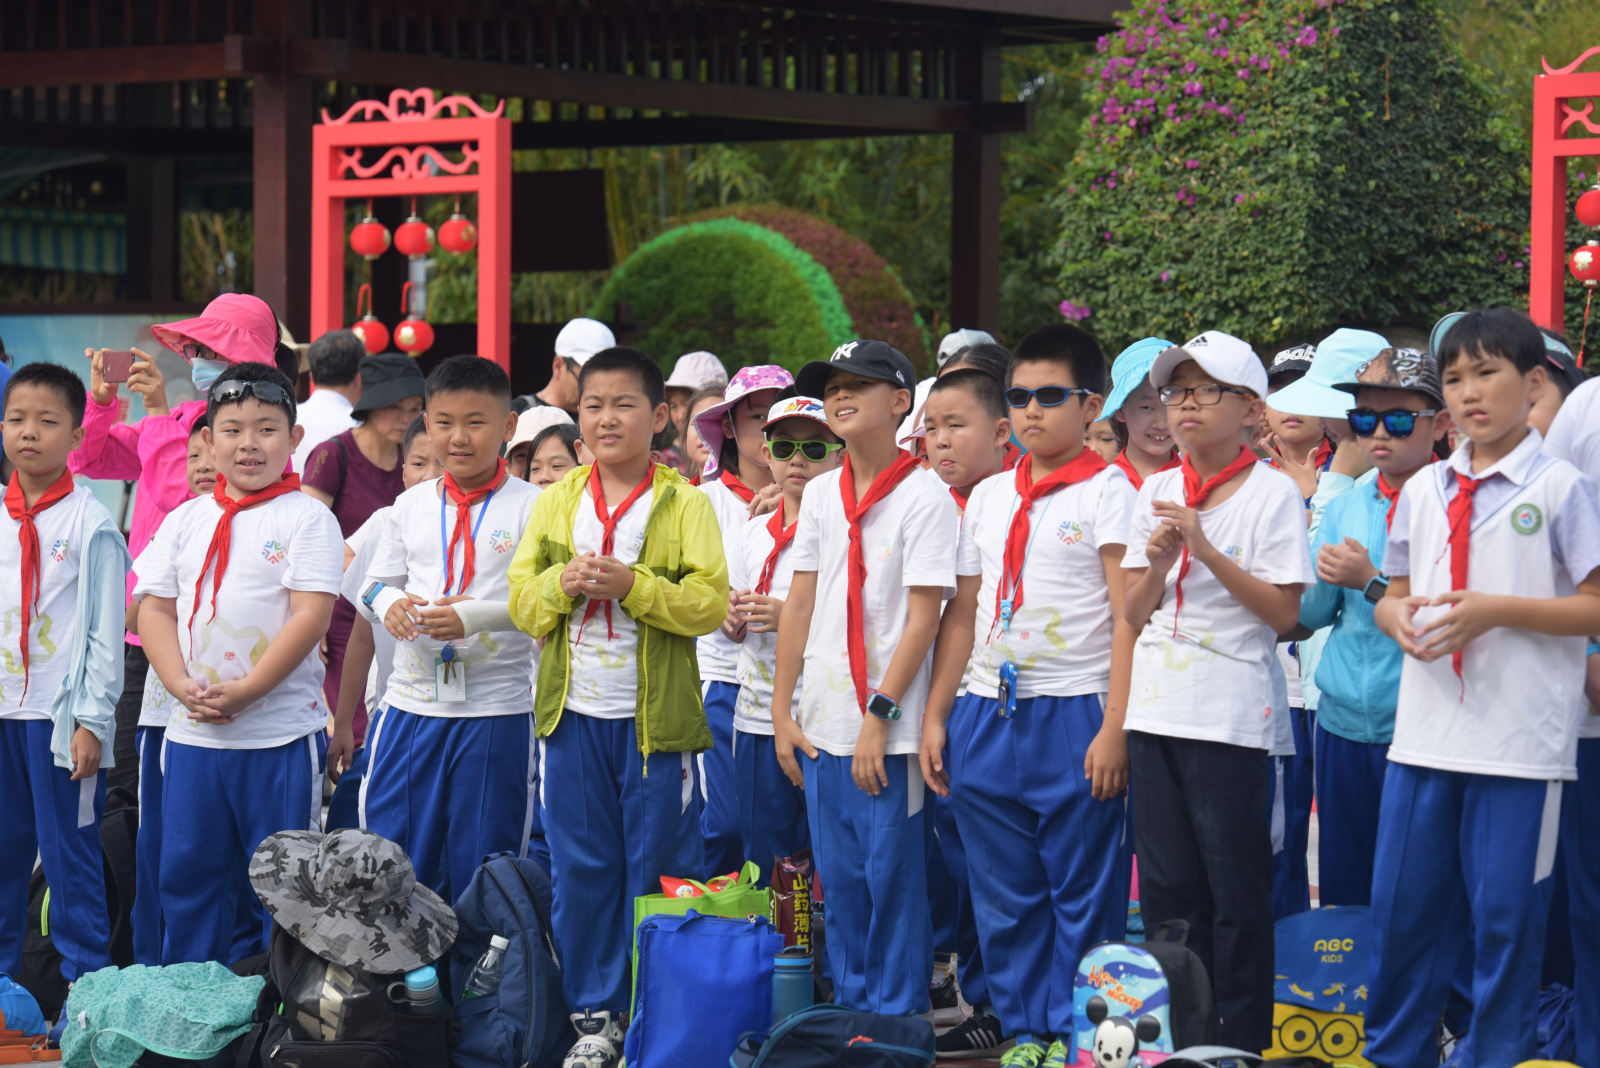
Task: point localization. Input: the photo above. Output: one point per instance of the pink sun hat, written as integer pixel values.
(238, 327)
(746, 380)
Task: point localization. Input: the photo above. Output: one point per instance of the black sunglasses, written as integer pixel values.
(1047, 396)
(234, 390)
(1399, 422)
(815, 451)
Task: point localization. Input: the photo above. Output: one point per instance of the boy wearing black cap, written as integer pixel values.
(875, 546)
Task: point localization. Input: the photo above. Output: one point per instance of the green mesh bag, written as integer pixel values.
(188, 1011)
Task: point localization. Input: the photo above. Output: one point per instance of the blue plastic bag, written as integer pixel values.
(22, 1012)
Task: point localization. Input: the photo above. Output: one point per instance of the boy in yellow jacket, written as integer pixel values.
(622, 567)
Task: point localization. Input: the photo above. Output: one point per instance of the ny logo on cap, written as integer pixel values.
(843, 352)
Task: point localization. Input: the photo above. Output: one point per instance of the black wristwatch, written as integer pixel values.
(883, 706)
(1377, 586)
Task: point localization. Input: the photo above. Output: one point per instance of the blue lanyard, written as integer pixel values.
(1006, 602)
(444, 543)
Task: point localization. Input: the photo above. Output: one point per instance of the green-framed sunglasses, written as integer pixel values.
(815, 451)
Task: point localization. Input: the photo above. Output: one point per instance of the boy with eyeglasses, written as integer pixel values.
(1217, 560)
(1398, 416)
(1037, 621)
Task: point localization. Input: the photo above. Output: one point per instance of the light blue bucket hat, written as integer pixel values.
(1339, 356)
(1131, 368)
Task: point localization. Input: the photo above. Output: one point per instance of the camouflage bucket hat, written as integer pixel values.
(352, 897)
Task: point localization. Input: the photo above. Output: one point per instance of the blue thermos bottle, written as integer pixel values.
(791, 983)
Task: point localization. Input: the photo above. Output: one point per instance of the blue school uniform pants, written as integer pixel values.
(1580, 837)
(1459, 853)
(450, 790)
(1350, 778)
(45, 812)
(217, 806)
(955, 927)
(771, 809)
(613, 831)
(719, 817)
(1044, 858)
(871, 855)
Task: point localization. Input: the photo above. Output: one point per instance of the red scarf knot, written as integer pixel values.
(1194, 495)
(1390, 494)
(16, 505)
(608, 535)
(222, 536)
(781, 537)
(463, 531)
(854, 514)
(1080, 468)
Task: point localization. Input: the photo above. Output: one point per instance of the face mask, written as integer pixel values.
(205, 372)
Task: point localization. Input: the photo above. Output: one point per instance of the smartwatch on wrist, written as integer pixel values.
(883, 706)
(1377, 586)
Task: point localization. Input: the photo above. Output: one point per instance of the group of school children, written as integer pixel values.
(998, 656)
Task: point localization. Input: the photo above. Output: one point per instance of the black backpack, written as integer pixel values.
(316, 1014)
(1194, 1009)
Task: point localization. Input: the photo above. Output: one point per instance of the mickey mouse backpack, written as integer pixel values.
(1153, 996)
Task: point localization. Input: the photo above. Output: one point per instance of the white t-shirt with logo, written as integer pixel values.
(54, 620)
(158, 706)
(287, 544)
(908, 539)
(363, 545)
(758, 656)
(1207, 672)
(1060, 635)
(410, 557)
(719, 654)
(603, 676)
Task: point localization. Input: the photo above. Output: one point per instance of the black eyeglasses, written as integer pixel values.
(815, 451)
(1399, 422)
(234, 390)
(1207, 394)
(1047, 396)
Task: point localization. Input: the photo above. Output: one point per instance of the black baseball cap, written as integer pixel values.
(1296, 360)
(870, 359)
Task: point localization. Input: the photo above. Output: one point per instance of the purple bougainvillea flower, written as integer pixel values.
(1165, 275)
(1191, 164)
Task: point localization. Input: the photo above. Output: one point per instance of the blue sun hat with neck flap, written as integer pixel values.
(1131, 368)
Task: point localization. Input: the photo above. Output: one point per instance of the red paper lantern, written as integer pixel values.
(413, 336)
(414, 237)
(1589, 208)
(458, 234)
(370, 238)
(373, 334)
(1585, 263)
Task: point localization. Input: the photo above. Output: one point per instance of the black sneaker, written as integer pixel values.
(976, 1036)
(946, 1001)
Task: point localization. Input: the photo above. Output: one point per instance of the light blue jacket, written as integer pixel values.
(1359, 674)
(88, 695)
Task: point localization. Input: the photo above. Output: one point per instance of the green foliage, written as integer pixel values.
(1275, 170)
(739, 290)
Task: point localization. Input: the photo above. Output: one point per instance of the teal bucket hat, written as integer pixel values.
(1339, 356)
(1131, 368)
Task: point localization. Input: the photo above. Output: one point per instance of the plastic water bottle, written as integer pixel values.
(422, 992)
(791, 983)
(485, 977)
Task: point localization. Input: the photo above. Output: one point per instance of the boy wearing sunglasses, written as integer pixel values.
(237, 589)
(1398, 416)
(1037, 758)
(771, 809)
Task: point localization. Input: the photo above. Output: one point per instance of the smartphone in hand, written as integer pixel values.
(115, 366)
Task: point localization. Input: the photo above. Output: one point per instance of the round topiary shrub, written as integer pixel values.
(730, 287)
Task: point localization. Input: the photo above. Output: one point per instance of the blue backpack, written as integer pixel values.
(21, 1012)
(524, 1023)
(832, 1036)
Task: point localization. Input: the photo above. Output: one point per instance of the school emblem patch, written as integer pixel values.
(1526, 519)
(58, 551)
(273, 552)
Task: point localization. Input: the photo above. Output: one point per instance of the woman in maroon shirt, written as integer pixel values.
(358, 472)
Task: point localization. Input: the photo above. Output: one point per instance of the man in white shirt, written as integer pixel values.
(578, 340)
(335, 360)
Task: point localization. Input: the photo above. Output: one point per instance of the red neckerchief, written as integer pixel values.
(1390, 495)
(463, 532)
(1080, 468)
(17, 506)
(222, 536)
(608, 533)
(781, 537)
(882, 486)
(1194, 495)
(740, 490)
(1013, 454)
(1460, 515)
(1324, 455)
(1132, 472)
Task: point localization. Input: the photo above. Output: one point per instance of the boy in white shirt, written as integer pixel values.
(237, 591)
(1216, 558)
(772, 810)
(875, 552)
(66, 565)
(1492, 562)
(1039, 587)
(457, 725)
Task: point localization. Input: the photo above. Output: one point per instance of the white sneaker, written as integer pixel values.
(599, 1042)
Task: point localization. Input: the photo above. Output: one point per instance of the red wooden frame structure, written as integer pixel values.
(413, 164)
(1553, 118)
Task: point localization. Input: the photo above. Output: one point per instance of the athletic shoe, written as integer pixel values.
(976, 1036)
(599, 1042)
(1059, 1055)
(946, 1001)
(1027, 1055)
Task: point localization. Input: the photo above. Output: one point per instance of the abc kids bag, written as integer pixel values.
(1320, 994)
(1160, 978)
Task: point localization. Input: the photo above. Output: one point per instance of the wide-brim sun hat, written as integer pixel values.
(697, 370)
(582, 338)
(389, 378)
(236, 326)
(747, 380)
(1339, 356)
(352, 897)
(1130, 370)
(919, 406)
(1224, 357)
(535, 419)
